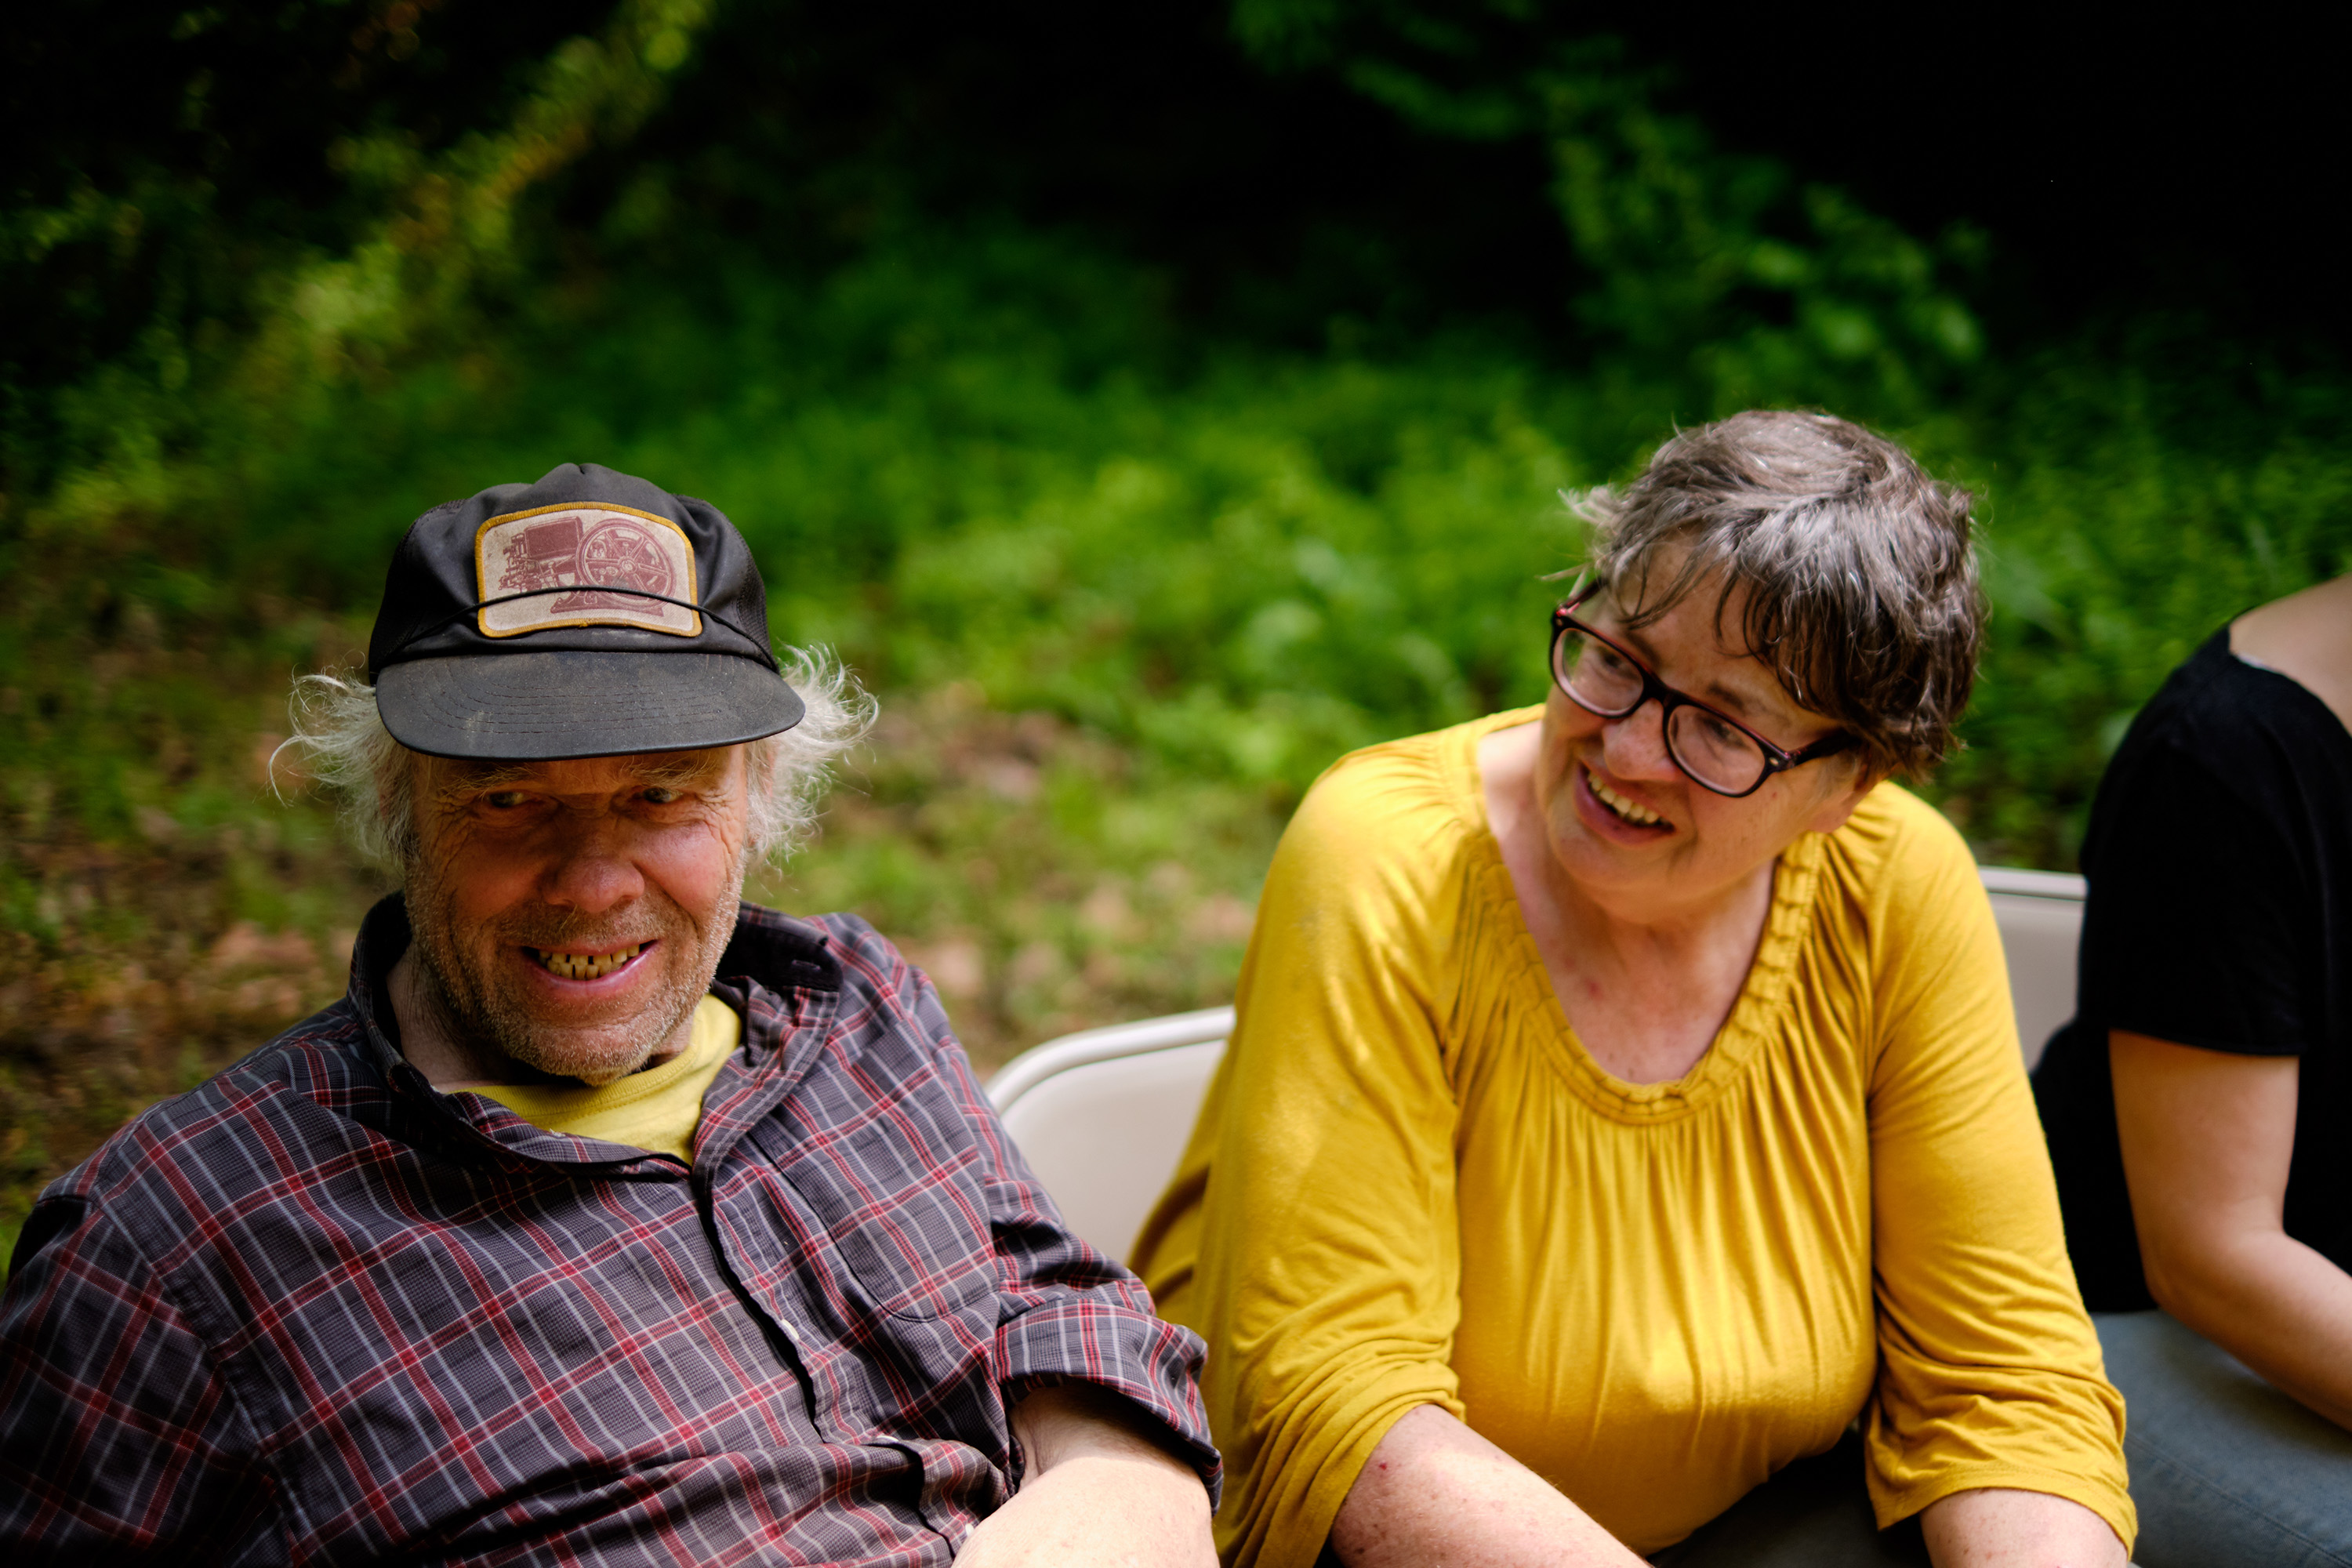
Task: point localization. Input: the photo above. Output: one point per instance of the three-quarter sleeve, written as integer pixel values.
(1322, 1259)
(1991, 1372)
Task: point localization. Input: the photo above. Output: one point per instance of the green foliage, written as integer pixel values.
(975, 457)
(1712, 281)
(2132, 509)
(981, 474)
(1745, 285)
(163, 319)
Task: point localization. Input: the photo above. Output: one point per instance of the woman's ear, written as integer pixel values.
(1840, 797)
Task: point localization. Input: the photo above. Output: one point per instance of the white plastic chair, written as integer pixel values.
(1103, 1115)
(2040, 918)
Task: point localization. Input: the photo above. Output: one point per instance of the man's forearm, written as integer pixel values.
(1097, 1488)
(1072, 1421)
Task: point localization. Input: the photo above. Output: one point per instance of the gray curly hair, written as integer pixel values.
(1859, 569)
(343, 744)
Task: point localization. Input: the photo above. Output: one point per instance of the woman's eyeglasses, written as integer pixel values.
(1714, 751)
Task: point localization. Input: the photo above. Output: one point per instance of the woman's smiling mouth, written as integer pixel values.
(1620, 806)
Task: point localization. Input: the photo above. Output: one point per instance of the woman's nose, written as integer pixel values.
(1635, 745)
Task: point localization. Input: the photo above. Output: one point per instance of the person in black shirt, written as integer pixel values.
(2199, 1106)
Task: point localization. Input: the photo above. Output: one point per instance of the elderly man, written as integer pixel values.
(606, 1218)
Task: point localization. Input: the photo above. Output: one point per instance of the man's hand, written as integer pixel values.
(1098, 1491)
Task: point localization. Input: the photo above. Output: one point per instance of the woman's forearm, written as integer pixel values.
(1997, 1527)
(2208, 1139)
(2279, 1306)
(1436, 1491)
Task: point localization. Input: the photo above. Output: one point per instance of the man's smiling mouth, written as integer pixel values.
(585, 965)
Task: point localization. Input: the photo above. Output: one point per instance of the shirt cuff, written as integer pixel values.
(1148, 1363)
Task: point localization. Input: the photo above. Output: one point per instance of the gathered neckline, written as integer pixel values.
(1787, 921)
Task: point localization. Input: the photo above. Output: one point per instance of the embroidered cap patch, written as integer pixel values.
(584, 566)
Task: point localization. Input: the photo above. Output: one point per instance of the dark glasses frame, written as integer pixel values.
(1777, 759)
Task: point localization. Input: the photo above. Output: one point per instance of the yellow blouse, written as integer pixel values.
(1410, 1185)
(658, 1109)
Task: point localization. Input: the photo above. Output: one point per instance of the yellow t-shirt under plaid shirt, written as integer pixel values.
(657, 1109)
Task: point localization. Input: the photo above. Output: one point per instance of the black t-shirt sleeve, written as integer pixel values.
(2199, 912)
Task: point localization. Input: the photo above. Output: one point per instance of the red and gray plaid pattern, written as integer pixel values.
(315, 1311)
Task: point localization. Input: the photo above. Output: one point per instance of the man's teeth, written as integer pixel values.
(1631, 811)
(586, 966)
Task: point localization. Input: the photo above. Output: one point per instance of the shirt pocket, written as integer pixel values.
(908, 1225)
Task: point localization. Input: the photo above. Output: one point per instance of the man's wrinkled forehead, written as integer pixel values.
(472, 775)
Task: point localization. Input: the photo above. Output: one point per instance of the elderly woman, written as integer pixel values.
(1625, 1101)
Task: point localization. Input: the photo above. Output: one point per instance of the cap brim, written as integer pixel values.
(539, 707)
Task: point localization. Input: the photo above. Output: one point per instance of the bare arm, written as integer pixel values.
(1098, 1491)
(1435, 1491)
(1999, 1526)
(2207, 1137)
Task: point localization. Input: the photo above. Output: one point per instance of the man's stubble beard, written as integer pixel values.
(485, 1022)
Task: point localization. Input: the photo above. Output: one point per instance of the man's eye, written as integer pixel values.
(659, 795)
(503, 799)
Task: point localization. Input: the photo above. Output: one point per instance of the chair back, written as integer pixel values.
(1103, 1115)
(2041, 918)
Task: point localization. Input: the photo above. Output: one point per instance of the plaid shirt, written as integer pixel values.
(317, 1311)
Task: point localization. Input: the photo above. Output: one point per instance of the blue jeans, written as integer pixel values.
(2227, 1472)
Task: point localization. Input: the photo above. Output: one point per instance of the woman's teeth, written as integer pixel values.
(1631, 811)
(586, 966)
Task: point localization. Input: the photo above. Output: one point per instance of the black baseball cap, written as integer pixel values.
(589, 614)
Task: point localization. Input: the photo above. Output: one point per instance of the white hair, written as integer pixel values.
(343, 744)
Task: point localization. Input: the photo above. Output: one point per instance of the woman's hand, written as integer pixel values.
(1098, 1494)
(2207, 1137)
(1995, 1527)
(1435, 1491)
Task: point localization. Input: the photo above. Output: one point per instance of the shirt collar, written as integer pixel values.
(778, 973)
